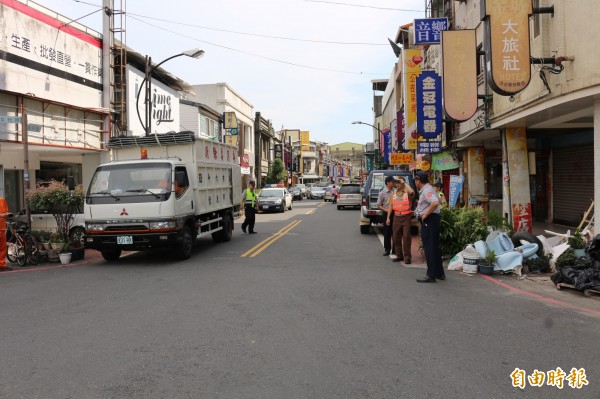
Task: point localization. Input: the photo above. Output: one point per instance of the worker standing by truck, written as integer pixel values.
(250, 205)
(3, 214)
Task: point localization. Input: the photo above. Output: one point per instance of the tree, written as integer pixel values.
(56, 199)
(277, 174)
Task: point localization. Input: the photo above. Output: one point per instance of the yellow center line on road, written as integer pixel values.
(311, 212)
(321, 205)
(261, 246)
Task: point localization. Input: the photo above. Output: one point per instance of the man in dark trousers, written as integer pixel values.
(250, 204)
(428, 214)
(382, 204)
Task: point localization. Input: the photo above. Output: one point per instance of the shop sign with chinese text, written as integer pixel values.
(412, 59)
(444, 161)
(429, 104)
(428, 31)
(507, 44)
(429, 146)
(401, 158)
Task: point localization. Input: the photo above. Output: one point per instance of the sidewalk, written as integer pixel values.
(91, 256)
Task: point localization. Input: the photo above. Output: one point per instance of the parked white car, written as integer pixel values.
(47, 222)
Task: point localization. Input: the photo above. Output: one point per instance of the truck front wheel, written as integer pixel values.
(186, 245)
(227, 231)
(111, 255)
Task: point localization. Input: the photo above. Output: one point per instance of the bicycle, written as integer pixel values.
(22, 246)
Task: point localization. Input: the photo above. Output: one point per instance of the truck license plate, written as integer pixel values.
(124, 240)
(265, 206)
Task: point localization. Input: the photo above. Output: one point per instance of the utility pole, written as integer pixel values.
(291, 159)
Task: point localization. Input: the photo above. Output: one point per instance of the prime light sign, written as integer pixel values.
(507, 44)
(42, 56)
(163, 108)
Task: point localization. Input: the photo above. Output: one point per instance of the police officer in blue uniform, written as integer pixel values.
(428, 214)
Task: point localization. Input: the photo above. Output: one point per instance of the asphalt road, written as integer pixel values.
(314, 312)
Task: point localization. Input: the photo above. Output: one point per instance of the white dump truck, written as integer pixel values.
(162, 191)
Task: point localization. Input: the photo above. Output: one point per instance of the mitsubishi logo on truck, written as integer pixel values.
(124, 212)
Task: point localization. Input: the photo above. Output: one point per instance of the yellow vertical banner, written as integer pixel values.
(305, 139)
(412, 60)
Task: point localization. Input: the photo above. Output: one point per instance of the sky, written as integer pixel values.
(294, 80)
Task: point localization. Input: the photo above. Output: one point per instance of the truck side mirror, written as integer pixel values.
(71, 183)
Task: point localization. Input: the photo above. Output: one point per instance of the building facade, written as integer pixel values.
(53, 120)
(222, 98)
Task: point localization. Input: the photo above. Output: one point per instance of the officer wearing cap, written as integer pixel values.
(250, 205)
(428, 213)
(438, 188)
(401, 211)
(382, 205)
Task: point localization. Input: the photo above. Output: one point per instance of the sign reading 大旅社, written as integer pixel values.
(507, 56)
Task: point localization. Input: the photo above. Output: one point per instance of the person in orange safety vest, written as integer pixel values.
(3, 214)
(399, 202)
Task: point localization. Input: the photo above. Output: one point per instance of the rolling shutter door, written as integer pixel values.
(573, 178)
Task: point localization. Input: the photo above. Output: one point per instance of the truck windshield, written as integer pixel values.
(131, 183)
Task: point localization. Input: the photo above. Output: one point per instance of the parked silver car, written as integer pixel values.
(349, 195)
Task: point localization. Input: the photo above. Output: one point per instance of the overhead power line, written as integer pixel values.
(253, 54)
(361, 5)
(257, 34)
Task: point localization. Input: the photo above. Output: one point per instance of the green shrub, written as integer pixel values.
(540, 264)
(566, 259)
(497, 222)
(461, 226)
(57, 200)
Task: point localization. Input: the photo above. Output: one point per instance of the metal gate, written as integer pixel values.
(573, 178)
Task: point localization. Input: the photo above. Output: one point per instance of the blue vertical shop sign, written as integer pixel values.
(429, 30)
(429, 104)
(387, 145)
(456, 183)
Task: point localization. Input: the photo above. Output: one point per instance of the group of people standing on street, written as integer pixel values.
(395, 201)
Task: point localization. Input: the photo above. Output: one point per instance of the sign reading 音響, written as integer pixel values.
(428, 31)
(507, 52)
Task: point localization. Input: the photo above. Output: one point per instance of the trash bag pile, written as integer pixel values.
(584, 274)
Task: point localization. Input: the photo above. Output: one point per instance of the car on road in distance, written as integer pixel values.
(317, 192)
(296, 193)
(349, 196)
(274, 199)
(302, 188)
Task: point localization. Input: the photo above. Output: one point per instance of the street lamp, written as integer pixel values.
(376, 156)
(146, 83)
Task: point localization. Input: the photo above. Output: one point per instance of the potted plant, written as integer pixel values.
(486, 264)
(57, 242)
(577, 242)
(60, 201)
